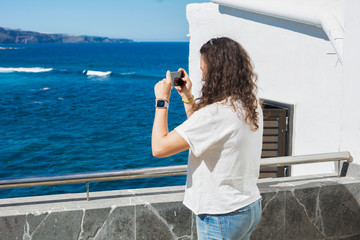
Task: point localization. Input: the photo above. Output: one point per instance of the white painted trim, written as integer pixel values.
(285, 10)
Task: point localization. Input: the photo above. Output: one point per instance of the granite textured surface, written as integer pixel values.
(312, 207)
(317, 207)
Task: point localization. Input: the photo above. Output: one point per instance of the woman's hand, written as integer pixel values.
(163, 88)
(163, 143)
(185, 90)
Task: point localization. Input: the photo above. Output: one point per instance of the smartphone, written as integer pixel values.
(176, 78)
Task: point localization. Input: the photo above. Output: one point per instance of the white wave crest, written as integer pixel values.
(128, 73)
(5, 48)
(96, 73)
(28, 70)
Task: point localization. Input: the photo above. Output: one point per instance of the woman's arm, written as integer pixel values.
(163, 143)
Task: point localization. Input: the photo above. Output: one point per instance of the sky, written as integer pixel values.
(139, 20)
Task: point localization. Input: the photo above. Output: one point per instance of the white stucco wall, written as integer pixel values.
(351, 89)
(295, 63)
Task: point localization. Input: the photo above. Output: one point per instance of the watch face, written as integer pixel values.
(160, 103)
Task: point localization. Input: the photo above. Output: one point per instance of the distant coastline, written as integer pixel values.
(11, 36)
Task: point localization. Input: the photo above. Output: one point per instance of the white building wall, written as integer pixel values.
(295, 63)
(351, 89)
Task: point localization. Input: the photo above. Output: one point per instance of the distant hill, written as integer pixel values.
(19, 36)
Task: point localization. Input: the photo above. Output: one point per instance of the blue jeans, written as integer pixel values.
(235, 225)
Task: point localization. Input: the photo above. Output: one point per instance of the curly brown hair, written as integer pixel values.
(229, 76)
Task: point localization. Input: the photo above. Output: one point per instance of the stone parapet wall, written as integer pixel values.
(153, 213)
(312, 207)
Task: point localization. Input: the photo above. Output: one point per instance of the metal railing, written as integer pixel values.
(166, 171)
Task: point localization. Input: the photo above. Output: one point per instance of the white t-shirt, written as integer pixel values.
(224, 159)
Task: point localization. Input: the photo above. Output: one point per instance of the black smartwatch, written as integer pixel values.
(161, 103)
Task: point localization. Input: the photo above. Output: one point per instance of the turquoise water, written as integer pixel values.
(75, 108)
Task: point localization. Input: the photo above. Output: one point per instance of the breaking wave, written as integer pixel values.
(27, 70)
(89, 73)
(7, 48)
(96, 73)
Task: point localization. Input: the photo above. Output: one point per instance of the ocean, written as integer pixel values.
(77, 108)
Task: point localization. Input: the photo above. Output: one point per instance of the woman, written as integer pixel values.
(224, 134)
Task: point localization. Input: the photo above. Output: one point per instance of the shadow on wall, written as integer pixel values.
(276, 22)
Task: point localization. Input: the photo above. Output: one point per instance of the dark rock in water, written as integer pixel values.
(19, 36)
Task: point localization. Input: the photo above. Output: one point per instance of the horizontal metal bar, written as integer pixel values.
(93, 177)
(158, 171)
(304, 159)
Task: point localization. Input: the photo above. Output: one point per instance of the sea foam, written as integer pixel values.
(28, 70)
(96, 73)
(6, 48)
(128, 73)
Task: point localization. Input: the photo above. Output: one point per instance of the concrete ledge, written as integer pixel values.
(312, 207)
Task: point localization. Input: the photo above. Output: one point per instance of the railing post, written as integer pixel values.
(87, 191)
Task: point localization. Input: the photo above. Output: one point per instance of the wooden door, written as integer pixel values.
(274, 140)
